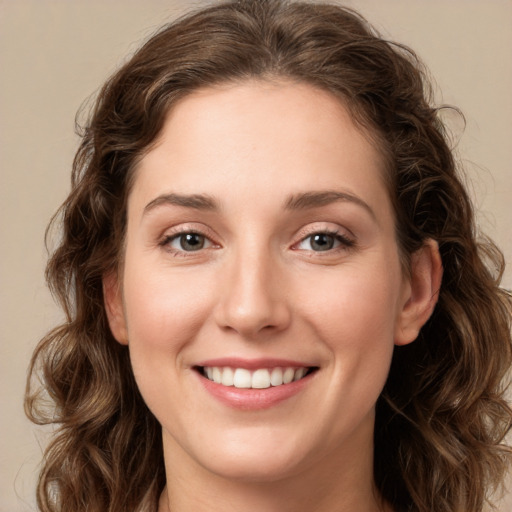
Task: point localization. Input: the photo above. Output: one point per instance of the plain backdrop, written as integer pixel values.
(56, 53)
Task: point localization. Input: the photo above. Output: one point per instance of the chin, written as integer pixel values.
(253, 470)
(256, 457)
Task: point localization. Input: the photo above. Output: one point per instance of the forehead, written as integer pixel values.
(256, 133)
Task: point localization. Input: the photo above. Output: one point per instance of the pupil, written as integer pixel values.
(192, 242)
(322, 242)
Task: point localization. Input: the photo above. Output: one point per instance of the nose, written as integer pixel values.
(253, 299)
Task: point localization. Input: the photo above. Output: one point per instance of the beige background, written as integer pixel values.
(55, 53)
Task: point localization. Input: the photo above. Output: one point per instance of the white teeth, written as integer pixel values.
(288, 375)
(217, 375)
(261, 379)
(299, 373)
(227, 377)
(242, 378)
(276, 377)
(258, 379)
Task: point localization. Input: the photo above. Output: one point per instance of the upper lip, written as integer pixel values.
(253, 364)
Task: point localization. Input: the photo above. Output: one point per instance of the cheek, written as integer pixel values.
(353, 299)
(164, 311)
(164, 314)
(355, 311)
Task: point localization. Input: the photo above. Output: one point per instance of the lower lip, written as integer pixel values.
(254, 399)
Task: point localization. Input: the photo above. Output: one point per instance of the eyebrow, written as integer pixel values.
(309, 200)
(300, 201)
(195, 201)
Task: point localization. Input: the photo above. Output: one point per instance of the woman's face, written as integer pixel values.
(261, 248)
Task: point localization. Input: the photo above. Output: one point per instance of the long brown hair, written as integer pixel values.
(442, 417)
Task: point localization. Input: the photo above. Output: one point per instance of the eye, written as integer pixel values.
(187, 242)
(324, 241)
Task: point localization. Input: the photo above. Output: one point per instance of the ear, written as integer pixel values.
(113, 297)
(420, 293)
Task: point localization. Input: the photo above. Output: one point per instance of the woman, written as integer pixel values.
(275, 296)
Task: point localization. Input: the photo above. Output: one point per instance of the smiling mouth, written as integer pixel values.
(261, 378)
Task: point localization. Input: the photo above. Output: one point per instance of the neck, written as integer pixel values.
(327, 486)
(276, 498)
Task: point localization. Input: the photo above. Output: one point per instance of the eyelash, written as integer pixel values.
(345, 243)
(168, 239)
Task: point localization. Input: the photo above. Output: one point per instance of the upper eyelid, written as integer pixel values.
(180, 229)
(313, 228)
(174, 236)
(343, 239)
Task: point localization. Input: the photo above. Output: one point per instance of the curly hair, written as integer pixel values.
(442, 416)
